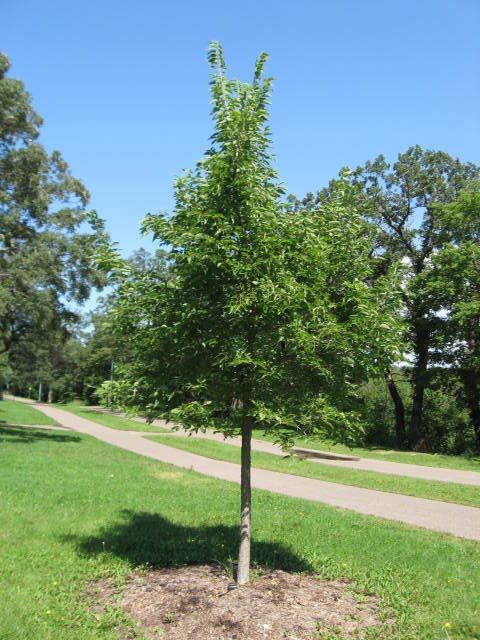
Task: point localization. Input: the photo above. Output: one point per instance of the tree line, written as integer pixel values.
(419, 216)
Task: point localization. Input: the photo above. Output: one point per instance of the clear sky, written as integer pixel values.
(123, 86)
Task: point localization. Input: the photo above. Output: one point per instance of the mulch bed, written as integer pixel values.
(194, 602)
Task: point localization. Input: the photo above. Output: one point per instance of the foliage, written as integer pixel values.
(74, 360)
(104, 346)
(453, 281)
(53, 359)
(267, 313)
(406, 202)
(446, 423)
(45, 253)
(377, 409)
(447, 428)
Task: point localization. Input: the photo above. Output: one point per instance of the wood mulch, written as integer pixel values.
(195, 602)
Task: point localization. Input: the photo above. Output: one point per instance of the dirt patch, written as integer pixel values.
(195, 602)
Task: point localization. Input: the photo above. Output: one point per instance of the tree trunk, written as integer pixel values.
(472, 393)
(415, 434)
(243, 571)
(400, 433)
(50, 395)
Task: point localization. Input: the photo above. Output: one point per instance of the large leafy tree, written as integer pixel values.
(35, 355)
(452, 283)
(45, 252)
(403, 200)
(268, 318)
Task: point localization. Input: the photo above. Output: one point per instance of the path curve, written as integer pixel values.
(459, 520)
(421, 472)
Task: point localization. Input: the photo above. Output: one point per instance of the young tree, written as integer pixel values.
(268, 318)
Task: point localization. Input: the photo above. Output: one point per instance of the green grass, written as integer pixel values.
(13, 412)
(110, 419)
(73, 509)
(463, 463)
(445, 491)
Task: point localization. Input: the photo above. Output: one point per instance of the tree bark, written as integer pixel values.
(471, 384)
(415, 433)
(243, 571)
(50, 395)
(400, 432)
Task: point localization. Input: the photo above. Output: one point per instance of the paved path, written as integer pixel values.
(364, 464)
(455, 519)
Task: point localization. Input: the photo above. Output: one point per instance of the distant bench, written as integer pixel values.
(300, 452)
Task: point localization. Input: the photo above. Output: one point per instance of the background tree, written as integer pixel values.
(402, 201)
(102, 345)
(453, 281)
(35, 356)
(45, 253)
(268, 318)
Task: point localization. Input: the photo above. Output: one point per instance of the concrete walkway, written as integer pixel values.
(364, 464)
(455, 519)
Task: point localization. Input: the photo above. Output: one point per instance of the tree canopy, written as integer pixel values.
(404, 202)
(268, 317)
(45, 248)
(452, 282)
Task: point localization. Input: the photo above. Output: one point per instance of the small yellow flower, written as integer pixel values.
(448, 625)
(55, 583)
(48, 612)
(344, 565)
(449, 580)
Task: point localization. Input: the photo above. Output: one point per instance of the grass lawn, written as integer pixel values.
(109, 419)
(447, 492)
(391, 455)
(13, 412)
(73, 509)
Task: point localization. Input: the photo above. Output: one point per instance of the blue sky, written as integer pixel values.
(123, 86)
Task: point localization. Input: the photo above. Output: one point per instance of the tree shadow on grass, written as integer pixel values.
(87, 411)
(29, 435)
(150, 539)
